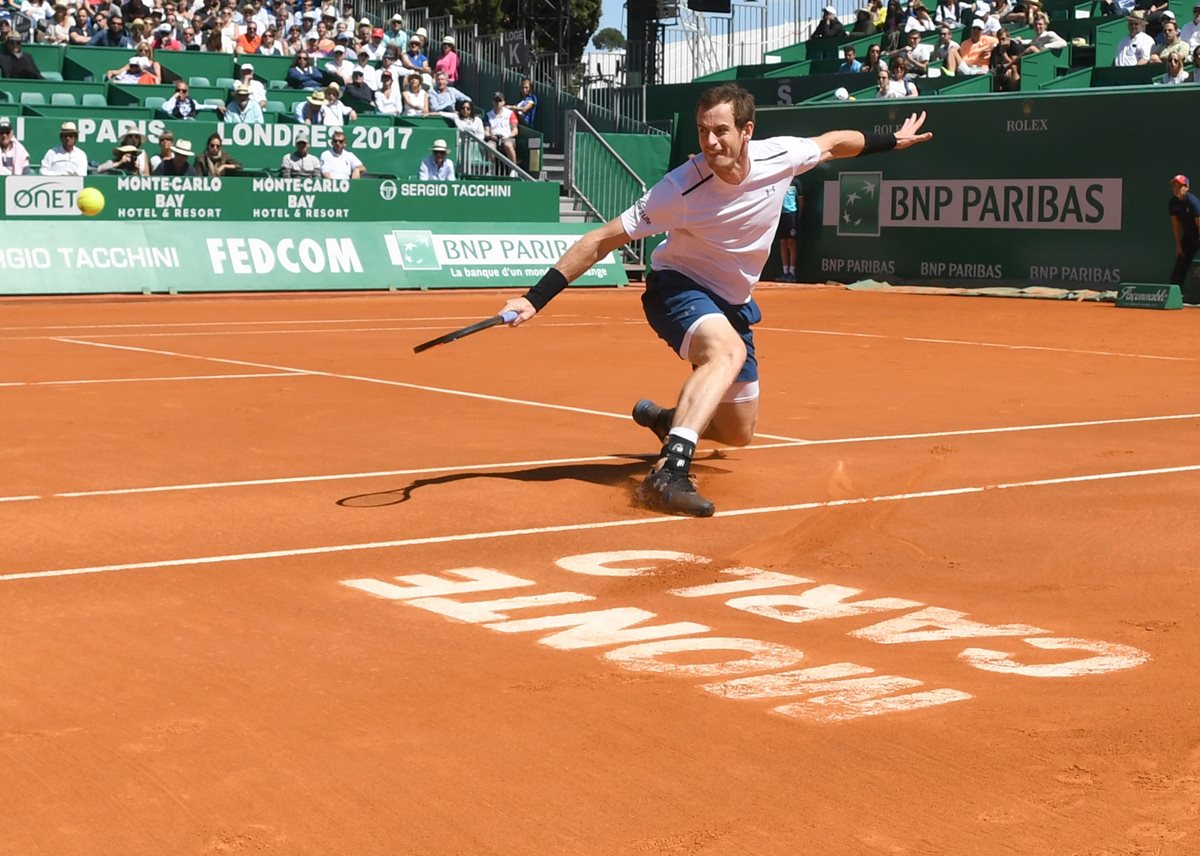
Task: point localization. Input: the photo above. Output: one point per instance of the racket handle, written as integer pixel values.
(509, 316)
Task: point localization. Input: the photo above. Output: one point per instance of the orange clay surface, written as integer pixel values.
(966, 542)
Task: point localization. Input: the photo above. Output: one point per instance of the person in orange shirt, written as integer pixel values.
(249, 41)
(974, 55)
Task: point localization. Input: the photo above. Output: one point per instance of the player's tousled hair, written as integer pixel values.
(735, 96)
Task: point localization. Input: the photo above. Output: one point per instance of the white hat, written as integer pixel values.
(68, 128)
(448, 40)
(163, 28)
(439, 146)
(422, 32)
(366, 21)
(831, 10)
(247, 67)
(182, 147)
(339, 49)
(841, 94)
(397, 18)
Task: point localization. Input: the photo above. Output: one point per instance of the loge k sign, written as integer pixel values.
(743, 668)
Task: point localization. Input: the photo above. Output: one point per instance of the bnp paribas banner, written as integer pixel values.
(161, 197)
(1013, 189)
(41, 257)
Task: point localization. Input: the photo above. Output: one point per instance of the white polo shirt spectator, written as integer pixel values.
(336, 162)
(66, 158)
(1136, 48)
(436, 166)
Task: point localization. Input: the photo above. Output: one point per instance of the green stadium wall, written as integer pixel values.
(1054, 189)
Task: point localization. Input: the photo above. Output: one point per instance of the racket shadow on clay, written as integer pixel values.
(607, 474)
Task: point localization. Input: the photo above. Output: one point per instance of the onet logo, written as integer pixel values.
(858, 203)
(38, 196)
(412, 249)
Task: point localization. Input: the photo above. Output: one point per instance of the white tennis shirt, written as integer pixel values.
(720, 234)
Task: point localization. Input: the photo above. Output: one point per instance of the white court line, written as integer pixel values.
(164, 324)
(999, 345)
(578, 527)
(382, 381)
(148, 379)
(547, 462)
(198, 333)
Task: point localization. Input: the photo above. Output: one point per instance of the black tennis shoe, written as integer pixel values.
(658, 419)
(673, 492)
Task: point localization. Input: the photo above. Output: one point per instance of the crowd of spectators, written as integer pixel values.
(343, 64)
(975, 38)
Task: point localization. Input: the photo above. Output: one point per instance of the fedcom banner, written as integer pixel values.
(40, 257)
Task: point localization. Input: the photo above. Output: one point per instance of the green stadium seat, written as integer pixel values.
(198, 81)
(33, 99)
(214, 102)
(277, 84)
(94, 99)
(63, 99)
(52, 75)
(276, 107)
(155, 102)
(225, 83)
(5, 97)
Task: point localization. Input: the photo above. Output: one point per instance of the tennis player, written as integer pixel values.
(719, 210)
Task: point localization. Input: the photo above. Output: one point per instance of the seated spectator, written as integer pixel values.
(214, 161)
(1191, 30)
(246, 78)
(375, 47)
(864, 24)
(177, 163)
(444, 98)
(250, 41)
(122, 162)
(991, 24)
(850, 65)
(311, 111)
(416, 99)
(414, 60)
(1117, 7)
(974, 55)
(134, 138)
(920, 20)
(137, 70)
(242, 109)
(300, 163)
(1006, 63)
(1137, 47)
(1196, 65)
(58, 28)
(166, 140)
(500, 130)
(951, 13)
(339, 68)
(471, 136)
(1172, 44)
(81, 29)
(874, 61)
(448, 61)
(370, 77)
(899, 86)
(66, 158)
(829, 27)
(337, 112)
(395, 38)
(164, 38)
(1175, 73)
(1044, 38)
(388, 100)
(14, 62)
(893, 25)
(1157, 12)
(526, 106)
(359, 90)
(917, 55)
(138, 31)
(181, 105)
(14, 159)
(325, 42)
(302, 74)
(436, 166)
(940, 54)
(338, 163)
(271, 46)
(37, 11)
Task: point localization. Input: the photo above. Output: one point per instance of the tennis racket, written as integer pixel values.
(504, 318)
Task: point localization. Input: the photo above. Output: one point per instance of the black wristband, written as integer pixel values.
(873, 143)
(548, 286)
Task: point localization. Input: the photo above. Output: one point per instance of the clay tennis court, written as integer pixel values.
(273, 584)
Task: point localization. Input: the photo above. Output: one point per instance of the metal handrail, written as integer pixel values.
(635, 250)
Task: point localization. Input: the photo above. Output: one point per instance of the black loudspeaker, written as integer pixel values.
(721, 7)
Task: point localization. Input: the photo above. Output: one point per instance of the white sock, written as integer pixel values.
(685, 434)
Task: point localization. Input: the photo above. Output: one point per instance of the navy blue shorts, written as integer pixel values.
(674, 303)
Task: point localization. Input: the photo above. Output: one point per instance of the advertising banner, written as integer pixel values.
(41, 257)
(138, 197)
(1009, 191)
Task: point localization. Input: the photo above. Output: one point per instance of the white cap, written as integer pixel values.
(831, 10)
(841, 94)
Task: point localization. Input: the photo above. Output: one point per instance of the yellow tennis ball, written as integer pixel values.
(90, 201)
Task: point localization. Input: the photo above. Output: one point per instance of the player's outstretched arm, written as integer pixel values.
(849, 144)
(587, 251)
